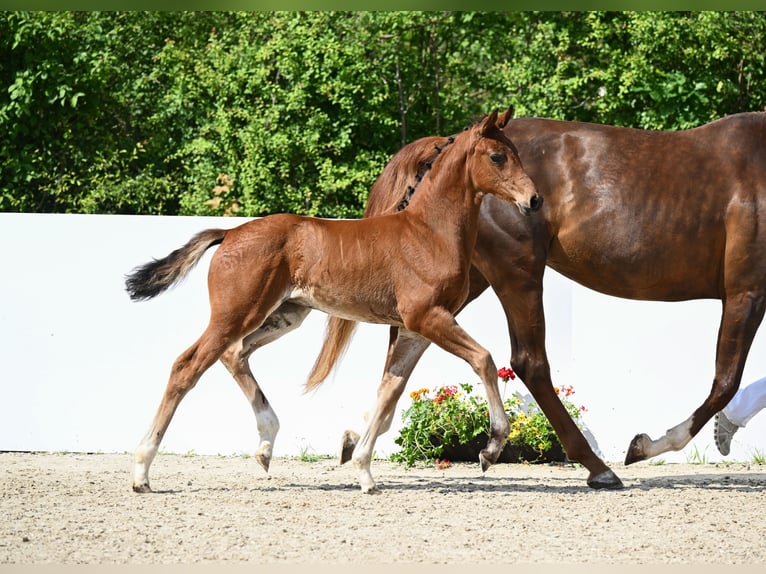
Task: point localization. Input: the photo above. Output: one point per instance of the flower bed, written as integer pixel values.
(451, 423)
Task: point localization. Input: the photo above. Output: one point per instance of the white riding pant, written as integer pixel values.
(746, 403)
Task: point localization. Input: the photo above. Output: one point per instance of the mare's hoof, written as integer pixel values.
(636, 450)
(347, 445)
(606, 480)
(142, 488)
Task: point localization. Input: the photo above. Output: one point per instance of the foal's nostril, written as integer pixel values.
(536, 202)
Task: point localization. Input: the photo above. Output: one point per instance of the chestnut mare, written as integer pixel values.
(649, 215)
(408, 269)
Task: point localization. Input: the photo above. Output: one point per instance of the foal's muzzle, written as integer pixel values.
(534, 205)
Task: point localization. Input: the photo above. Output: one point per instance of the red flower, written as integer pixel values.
(506, 374)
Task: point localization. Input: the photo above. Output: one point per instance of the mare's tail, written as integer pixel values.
(151, 279)
(337, 338)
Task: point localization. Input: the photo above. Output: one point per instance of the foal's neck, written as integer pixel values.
(446, 202)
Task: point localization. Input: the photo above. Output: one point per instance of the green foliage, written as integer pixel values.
(457, 415)
(262, 112)
(696, 457)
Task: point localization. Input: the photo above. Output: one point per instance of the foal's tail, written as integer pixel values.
(337, 338)
(151, 279)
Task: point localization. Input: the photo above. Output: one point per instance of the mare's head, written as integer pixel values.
(494, 165)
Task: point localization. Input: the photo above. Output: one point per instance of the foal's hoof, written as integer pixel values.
(637, 449)
(485, 462)
(142, 488)
(263, 456)
(347, 445)
(606, 480)
(370, 489)
(264, 461)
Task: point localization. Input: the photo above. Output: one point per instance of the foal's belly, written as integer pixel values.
(348, 305)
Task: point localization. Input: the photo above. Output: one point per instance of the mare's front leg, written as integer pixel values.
(514, 263)
(286, 318)
(522, 302)
(404, 351)
(742, 314)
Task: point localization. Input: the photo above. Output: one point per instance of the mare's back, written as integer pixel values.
(598, 155)
(643, 214)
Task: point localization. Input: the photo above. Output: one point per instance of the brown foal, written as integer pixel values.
(408, 269)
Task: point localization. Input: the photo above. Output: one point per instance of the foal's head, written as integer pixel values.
(495, 166)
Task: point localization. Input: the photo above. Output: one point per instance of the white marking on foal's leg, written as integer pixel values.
(362, 459)
(142, 459)
(380, 420)
(268, 426)
(675, 438)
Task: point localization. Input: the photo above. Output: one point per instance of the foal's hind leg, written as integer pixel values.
(742, 314)
(285, 319)
(186, 371)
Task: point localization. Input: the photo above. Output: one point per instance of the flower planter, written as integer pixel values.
(469, 451)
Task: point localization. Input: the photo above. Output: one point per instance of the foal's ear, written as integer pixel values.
(489, 123)
(506, 117)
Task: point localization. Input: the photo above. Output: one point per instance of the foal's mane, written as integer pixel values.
(421, 173)
(417, 156)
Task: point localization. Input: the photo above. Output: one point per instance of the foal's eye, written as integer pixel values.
(497, 157)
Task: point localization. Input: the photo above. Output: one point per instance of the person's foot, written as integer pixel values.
(723, 430)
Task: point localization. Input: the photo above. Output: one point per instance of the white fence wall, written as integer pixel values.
(83, 367)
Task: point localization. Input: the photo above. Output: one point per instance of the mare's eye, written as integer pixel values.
(497, 157)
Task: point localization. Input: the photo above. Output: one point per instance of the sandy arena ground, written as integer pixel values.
(79, 509)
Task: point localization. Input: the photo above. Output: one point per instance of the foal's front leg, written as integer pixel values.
(439, 325)
(405, 350)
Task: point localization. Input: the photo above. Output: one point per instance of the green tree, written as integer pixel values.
(262, 112)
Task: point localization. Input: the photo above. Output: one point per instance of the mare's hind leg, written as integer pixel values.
(285, 319)
(404, 351)
(186, 371)
(742, 314)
